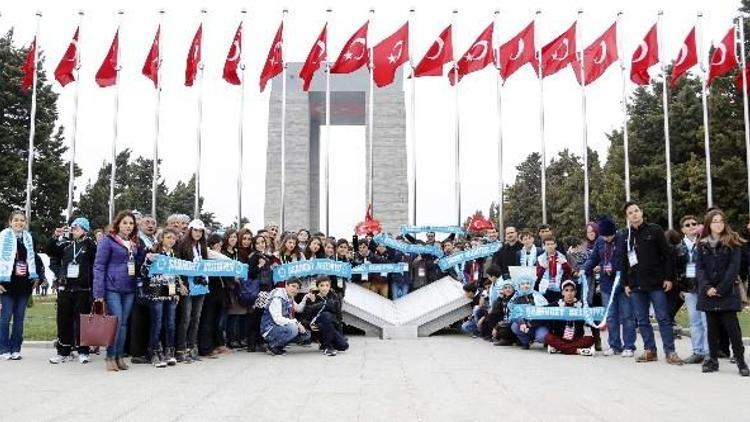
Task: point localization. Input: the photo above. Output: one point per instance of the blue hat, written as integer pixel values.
(607, 227)
(82, 223)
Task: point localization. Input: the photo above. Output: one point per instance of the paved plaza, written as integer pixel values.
(441, 378)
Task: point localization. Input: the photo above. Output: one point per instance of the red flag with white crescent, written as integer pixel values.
(354, 54)
(68, 62)
(194, 57)
(645, 56)
(318, 54)
(477, 57)
(598, 56)
(440, 53)
(233, 59)
(518, 51)
(107, 73)
(388, 55)
(275, 60)
(559, 53)
(151, 66)
(687, 58)
(724, 57)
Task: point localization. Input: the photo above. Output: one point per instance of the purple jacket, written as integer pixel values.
(111, 267)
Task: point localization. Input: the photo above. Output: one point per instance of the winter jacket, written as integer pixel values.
(156, 288)
(604, 254)
(507, 257)
(280, 311)
(22, 286)
(111, 266)
(263, 275)
(654, 262)
(718, 267)
(558, 327)
(81, 252)
(330, 304)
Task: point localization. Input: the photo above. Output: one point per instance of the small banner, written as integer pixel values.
(163, 264)
(312, 267)
(398, 267)
(556, 313)
(435, 229)
(470, 255)
(407, 248)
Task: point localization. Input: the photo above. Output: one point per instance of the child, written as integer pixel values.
(552, 269)
(479, 302)
(528, 331)
(567, 337)
(528, 254)
(496, 322)
(325, 310)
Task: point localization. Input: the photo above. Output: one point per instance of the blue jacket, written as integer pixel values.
(111, 267)
(597, 258)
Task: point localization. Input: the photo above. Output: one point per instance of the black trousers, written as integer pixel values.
(69, 306)
(253, 327)
(330, 336)
(210, 335)
(726, 320)
(139, 330)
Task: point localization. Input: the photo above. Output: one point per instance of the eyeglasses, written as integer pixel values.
(689, 224)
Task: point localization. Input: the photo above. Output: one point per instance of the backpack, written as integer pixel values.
(248, 292)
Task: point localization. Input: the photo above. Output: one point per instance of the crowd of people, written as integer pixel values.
(168, 319)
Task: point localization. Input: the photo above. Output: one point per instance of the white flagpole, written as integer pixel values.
(199, 130)
(541, 126)
(584, 122)
(328, 131)
(283, 126)
(32, 121)
(704, 100)
(413, 122)
(624, 103)
(665, 106)
(115, 123)
(241, 124)
(155, 177)
(74, 128)
(370, 122)
(457, 128)
(499, 92)
(743, 63)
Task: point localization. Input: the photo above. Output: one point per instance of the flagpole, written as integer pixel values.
(328, 132)
(624, 103)
(413, 122)
(499, 93)
(743, 63)
(457, 130)
(155, 177)
(665, 105)
(199, 134)
(283, 126)
(370, 125)
(704, 100)
(74, 129)
(241, 125)
(541, 126)
(584, 122)
(115, 123)
(32, 121)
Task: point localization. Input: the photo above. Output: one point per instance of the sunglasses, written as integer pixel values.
(689, 224)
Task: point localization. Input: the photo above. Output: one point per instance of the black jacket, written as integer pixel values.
(84, 253)
(506, 257)
(21, 286)
(558, 327)
(654, 258)
(718, 267)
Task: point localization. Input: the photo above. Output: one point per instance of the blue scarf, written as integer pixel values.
(8, 249)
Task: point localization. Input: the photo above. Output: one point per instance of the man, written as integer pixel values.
(178, 222)
(646, 272)
(278, 325)
(492, 235)
(508, 254)
(686, 260)
(147, 231)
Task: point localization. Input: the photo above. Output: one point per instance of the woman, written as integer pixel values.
(303, 238)
(20, 273)
(314, 249)
(579, 255)
(717, 267)
(74, 287)
(229, 247)
(289, 250)
(211, 332)
(260, 273)
(119, 256)
(192, 247)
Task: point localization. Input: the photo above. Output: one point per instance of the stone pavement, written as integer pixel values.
(440, 378)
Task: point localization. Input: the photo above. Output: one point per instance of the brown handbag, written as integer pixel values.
(97, 329)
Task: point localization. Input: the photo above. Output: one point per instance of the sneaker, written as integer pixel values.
(710, 365)
(135, 360)
(330, 352)
(674, 359)
(611, 352)
(60, 359)
(551, 350)
(5, 356)
(525, 346)
(84, 359)
(694, 359)
(157, 361)
(503, 342)
(585, 351)
(627, 353)
(276, 352)
(15, 356)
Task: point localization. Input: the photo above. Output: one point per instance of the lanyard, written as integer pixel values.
(75, 254)
(128, 245)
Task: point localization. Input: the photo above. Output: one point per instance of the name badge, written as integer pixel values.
(21, 269)
(422, 272)
(632, 258)
(365, 276)
(340, 283)
(608, 268)
(690, 270)
(384, 275)
(171, 288)
(73, 270)
(131, 268)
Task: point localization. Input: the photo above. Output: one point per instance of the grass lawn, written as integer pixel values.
(40, 321)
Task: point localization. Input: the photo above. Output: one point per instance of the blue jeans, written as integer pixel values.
(698, 325)
(399, 290)
(281, 335)
(119, 305)
(536, 333)
(162, 316)
(470, 326)
(620, 317)
(14, 307)
(641, 303)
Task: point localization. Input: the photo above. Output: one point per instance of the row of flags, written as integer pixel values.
(392, 52)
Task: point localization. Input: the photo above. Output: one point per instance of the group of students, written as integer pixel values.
(703, 266)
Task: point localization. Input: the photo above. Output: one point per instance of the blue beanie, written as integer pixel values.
(82, 223)
(607, 227)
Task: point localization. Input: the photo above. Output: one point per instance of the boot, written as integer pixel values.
(171, 361)
(194, 354)
(121, 365)
(111, 365)
(710, 365)
(742, 366)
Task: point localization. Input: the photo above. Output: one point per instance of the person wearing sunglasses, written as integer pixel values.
(686, 260)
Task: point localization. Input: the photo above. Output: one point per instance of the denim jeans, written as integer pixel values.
(163, 315)
(119, 305)
(470, 327)
(190, 317)
(620, 317)
(399, 289)
(14, 307)
(641, 302)
(536, 333)
(281, 335)
(698, 325)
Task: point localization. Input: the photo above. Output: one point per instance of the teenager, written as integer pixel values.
(528, 331)
(502, 335)
(192, 247)
(552, 268)
(260, 273)
(687, 256)
(211, 329)
(568, 337)
(324, 310)
(278, 325)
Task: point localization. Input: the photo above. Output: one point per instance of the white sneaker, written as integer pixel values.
(15, 356)
(627, 353)
(586, 352)
(5, 356)
(60, 359)
(551, 350)
(610, 352)
(84, 359)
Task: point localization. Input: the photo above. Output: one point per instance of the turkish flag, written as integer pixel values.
(388, 55)
(29, 67)
(354, 54)
(645, 56)
(233, 58)
(518, 51)
(107, 73)
(559, 52)
(194, 57)
(275, 60)
(318, 53)
(477, 57)
(687, 58)
(598, 56)
(151, 66)
(724, 57)
(68, 63)
(440, 53)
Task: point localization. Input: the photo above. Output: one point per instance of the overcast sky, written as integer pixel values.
(435, 98)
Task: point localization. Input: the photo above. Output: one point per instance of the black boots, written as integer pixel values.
(710, 365)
